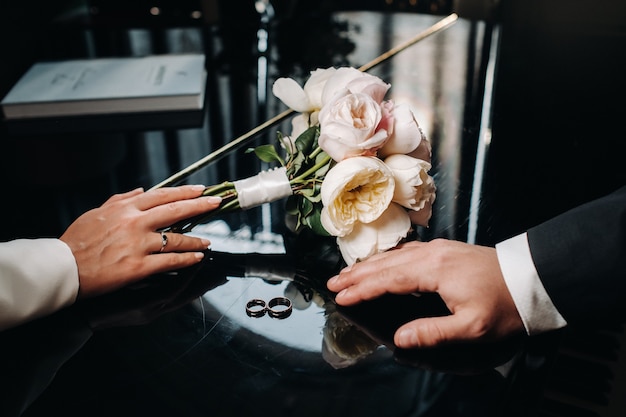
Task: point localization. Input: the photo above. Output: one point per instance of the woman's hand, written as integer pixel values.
(118, 243)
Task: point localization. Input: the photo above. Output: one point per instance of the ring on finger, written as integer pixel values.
(163, 241)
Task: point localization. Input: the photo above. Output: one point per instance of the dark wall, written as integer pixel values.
(559, 136)
(558, 131)
(29, 209)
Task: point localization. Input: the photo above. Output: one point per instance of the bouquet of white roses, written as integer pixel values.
(355, 165)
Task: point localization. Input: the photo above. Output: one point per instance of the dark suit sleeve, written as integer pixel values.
(581, 259)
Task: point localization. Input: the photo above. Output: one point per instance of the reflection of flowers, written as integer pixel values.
(356, 165)
(344, 344)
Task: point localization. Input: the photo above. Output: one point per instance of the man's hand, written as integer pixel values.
(467, 278)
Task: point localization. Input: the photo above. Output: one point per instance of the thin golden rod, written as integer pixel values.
(218, 153)
(241, 140)
(442, 24)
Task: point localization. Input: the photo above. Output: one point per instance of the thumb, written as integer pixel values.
(431, 331)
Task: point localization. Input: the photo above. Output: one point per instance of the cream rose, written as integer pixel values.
(384, 233)
(349, 127)
(307, 99)
(314, 87)
(355, 190)
(414, 189)
(354, 81)
(405, 136)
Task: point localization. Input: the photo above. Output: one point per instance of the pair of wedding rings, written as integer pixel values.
(278, 308)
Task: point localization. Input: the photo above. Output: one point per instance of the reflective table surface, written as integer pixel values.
(182, 344)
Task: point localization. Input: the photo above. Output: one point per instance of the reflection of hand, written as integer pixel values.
(380, 317)
(117, 243)
(140, 304)
(467, 277)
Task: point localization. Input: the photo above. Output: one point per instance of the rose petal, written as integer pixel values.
(314, 86)
(291, 94)
(378, 236)
(407, 135)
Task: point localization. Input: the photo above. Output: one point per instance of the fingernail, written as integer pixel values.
(198, 187)
(406, 337)
(342, 293)
(213, 199)
(199, 255)
(206, 243)
(333, 280)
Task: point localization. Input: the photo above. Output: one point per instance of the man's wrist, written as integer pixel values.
(533, 303)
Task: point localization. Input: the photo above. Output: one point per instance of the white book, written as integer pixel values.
(108, 86)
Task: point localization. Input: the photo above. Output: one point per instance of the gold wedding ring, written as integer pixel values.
(163, 241)
(279, 308)
(256, 308)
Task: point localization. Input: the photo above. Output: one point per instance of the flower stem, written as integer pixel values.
(220, 190)
(229, 203)
(305, 175)
(315, 152)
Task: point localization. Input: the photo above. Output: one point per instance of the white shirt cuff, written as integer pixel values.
(531, 299)
(37, 277)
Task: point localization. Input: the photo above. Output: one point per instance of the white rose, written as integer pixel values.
(354, 81)
(314, 87)
(349, 127)
(303, 100)
(299, 124)
(355, 190)
(414, 189)
(378, 236)
(406, 134)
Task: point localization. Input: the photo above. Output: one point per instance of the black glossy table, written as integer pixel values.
(181, 344)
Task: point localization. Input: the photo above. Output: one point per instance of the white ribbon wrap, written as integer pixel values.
(265, 187)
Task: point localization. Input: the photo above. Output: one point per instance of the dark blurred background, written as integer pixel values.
(559, 107)
(557, 140)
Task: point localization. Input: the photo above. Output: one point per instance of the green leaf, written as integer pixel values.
(315, 194)
(325, 168)
(306, 207)
(267, 153)
(307, 193)
(296, 164)
(321, 173)
(306, 140)
(314, 223)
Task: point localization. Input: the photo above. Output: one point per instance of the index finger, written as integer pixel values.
(161, 196)
(395, 271)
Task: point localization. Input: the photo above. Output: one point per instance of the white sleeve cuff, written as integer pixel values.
(531, 299)
(37, 277)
